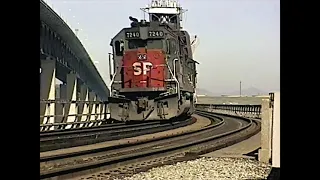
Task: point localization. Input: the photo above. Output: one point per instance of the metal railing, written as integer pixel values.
(250, 111)
(61, 114)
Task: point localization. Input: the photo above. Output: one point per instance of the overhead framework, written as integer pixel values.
(165, 11)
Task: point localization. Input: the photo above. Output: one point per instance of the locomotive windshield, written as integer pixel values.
(149, 44)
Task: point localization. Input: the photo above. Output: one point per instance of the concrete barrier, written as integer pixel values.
(270, 130)
(265, 151)
(276, 131)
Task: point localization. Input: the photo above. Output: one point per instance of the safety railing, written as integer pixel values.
(61, 114)
(250, 111)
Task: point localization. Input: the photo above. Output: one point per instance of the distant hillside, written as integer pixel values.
(249, 92)
(201, 91)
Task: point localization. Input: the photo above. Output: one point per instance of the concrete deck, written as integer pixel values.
(239, 149)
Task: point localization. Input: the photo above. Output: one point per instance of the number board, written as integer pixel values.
(132, 35)
(155, 33)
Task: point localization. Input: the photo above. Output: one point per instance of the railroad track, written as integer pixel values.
(116, 161)
(76, 137)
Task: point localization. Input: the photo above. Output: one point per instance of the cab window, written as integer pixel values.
(149, 44)
(119, 47)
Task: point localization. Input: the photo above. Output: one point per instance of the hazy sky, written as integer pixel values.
(239, 39)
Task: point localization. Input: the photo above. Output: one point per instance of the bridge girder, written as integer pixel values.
(58, 42)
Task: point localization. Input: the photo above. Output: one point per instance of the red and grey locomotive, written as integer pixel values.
(154, 74)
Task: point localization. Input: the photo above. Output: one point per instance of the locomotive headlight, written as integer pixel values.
(142, 56)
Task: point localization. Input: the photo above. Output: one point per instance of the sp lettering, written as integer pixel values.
(141, 68)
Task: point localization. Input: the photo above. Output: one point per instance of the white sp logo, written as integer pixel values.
(139, 67)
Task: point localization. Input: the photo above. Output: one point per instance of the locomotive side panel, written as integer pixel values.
(192, 64)
(187, 63)
(173, 60)
(180, 59)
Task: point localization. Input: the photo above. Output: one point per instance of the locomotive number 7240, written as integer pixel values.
(132, 34)
(156, 33)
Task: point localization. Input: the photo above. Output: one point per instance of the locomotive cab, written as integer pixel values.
(142, 58)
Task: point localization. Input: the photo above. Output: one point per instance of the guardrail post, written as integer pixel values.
(255, 112)
(107, 117)
(89, 107)
(85, 110)
(97, 109)
(82, 105)
(60, 106)
(265, 151)
(101, 113)
(92, 108)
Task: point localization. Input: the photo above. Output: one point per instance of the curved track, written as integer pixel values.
(71, 138)
(197, 142)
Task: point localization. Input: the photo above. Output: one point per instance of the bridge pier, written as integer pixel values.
(47, 90)
(71, 91)
(83, 107)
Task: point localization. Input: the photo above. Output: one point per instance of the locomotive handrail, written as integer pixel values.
(174, 77)
(110, 72)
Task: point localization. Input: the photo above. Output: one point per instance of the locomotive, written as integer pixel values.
(154, 74)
